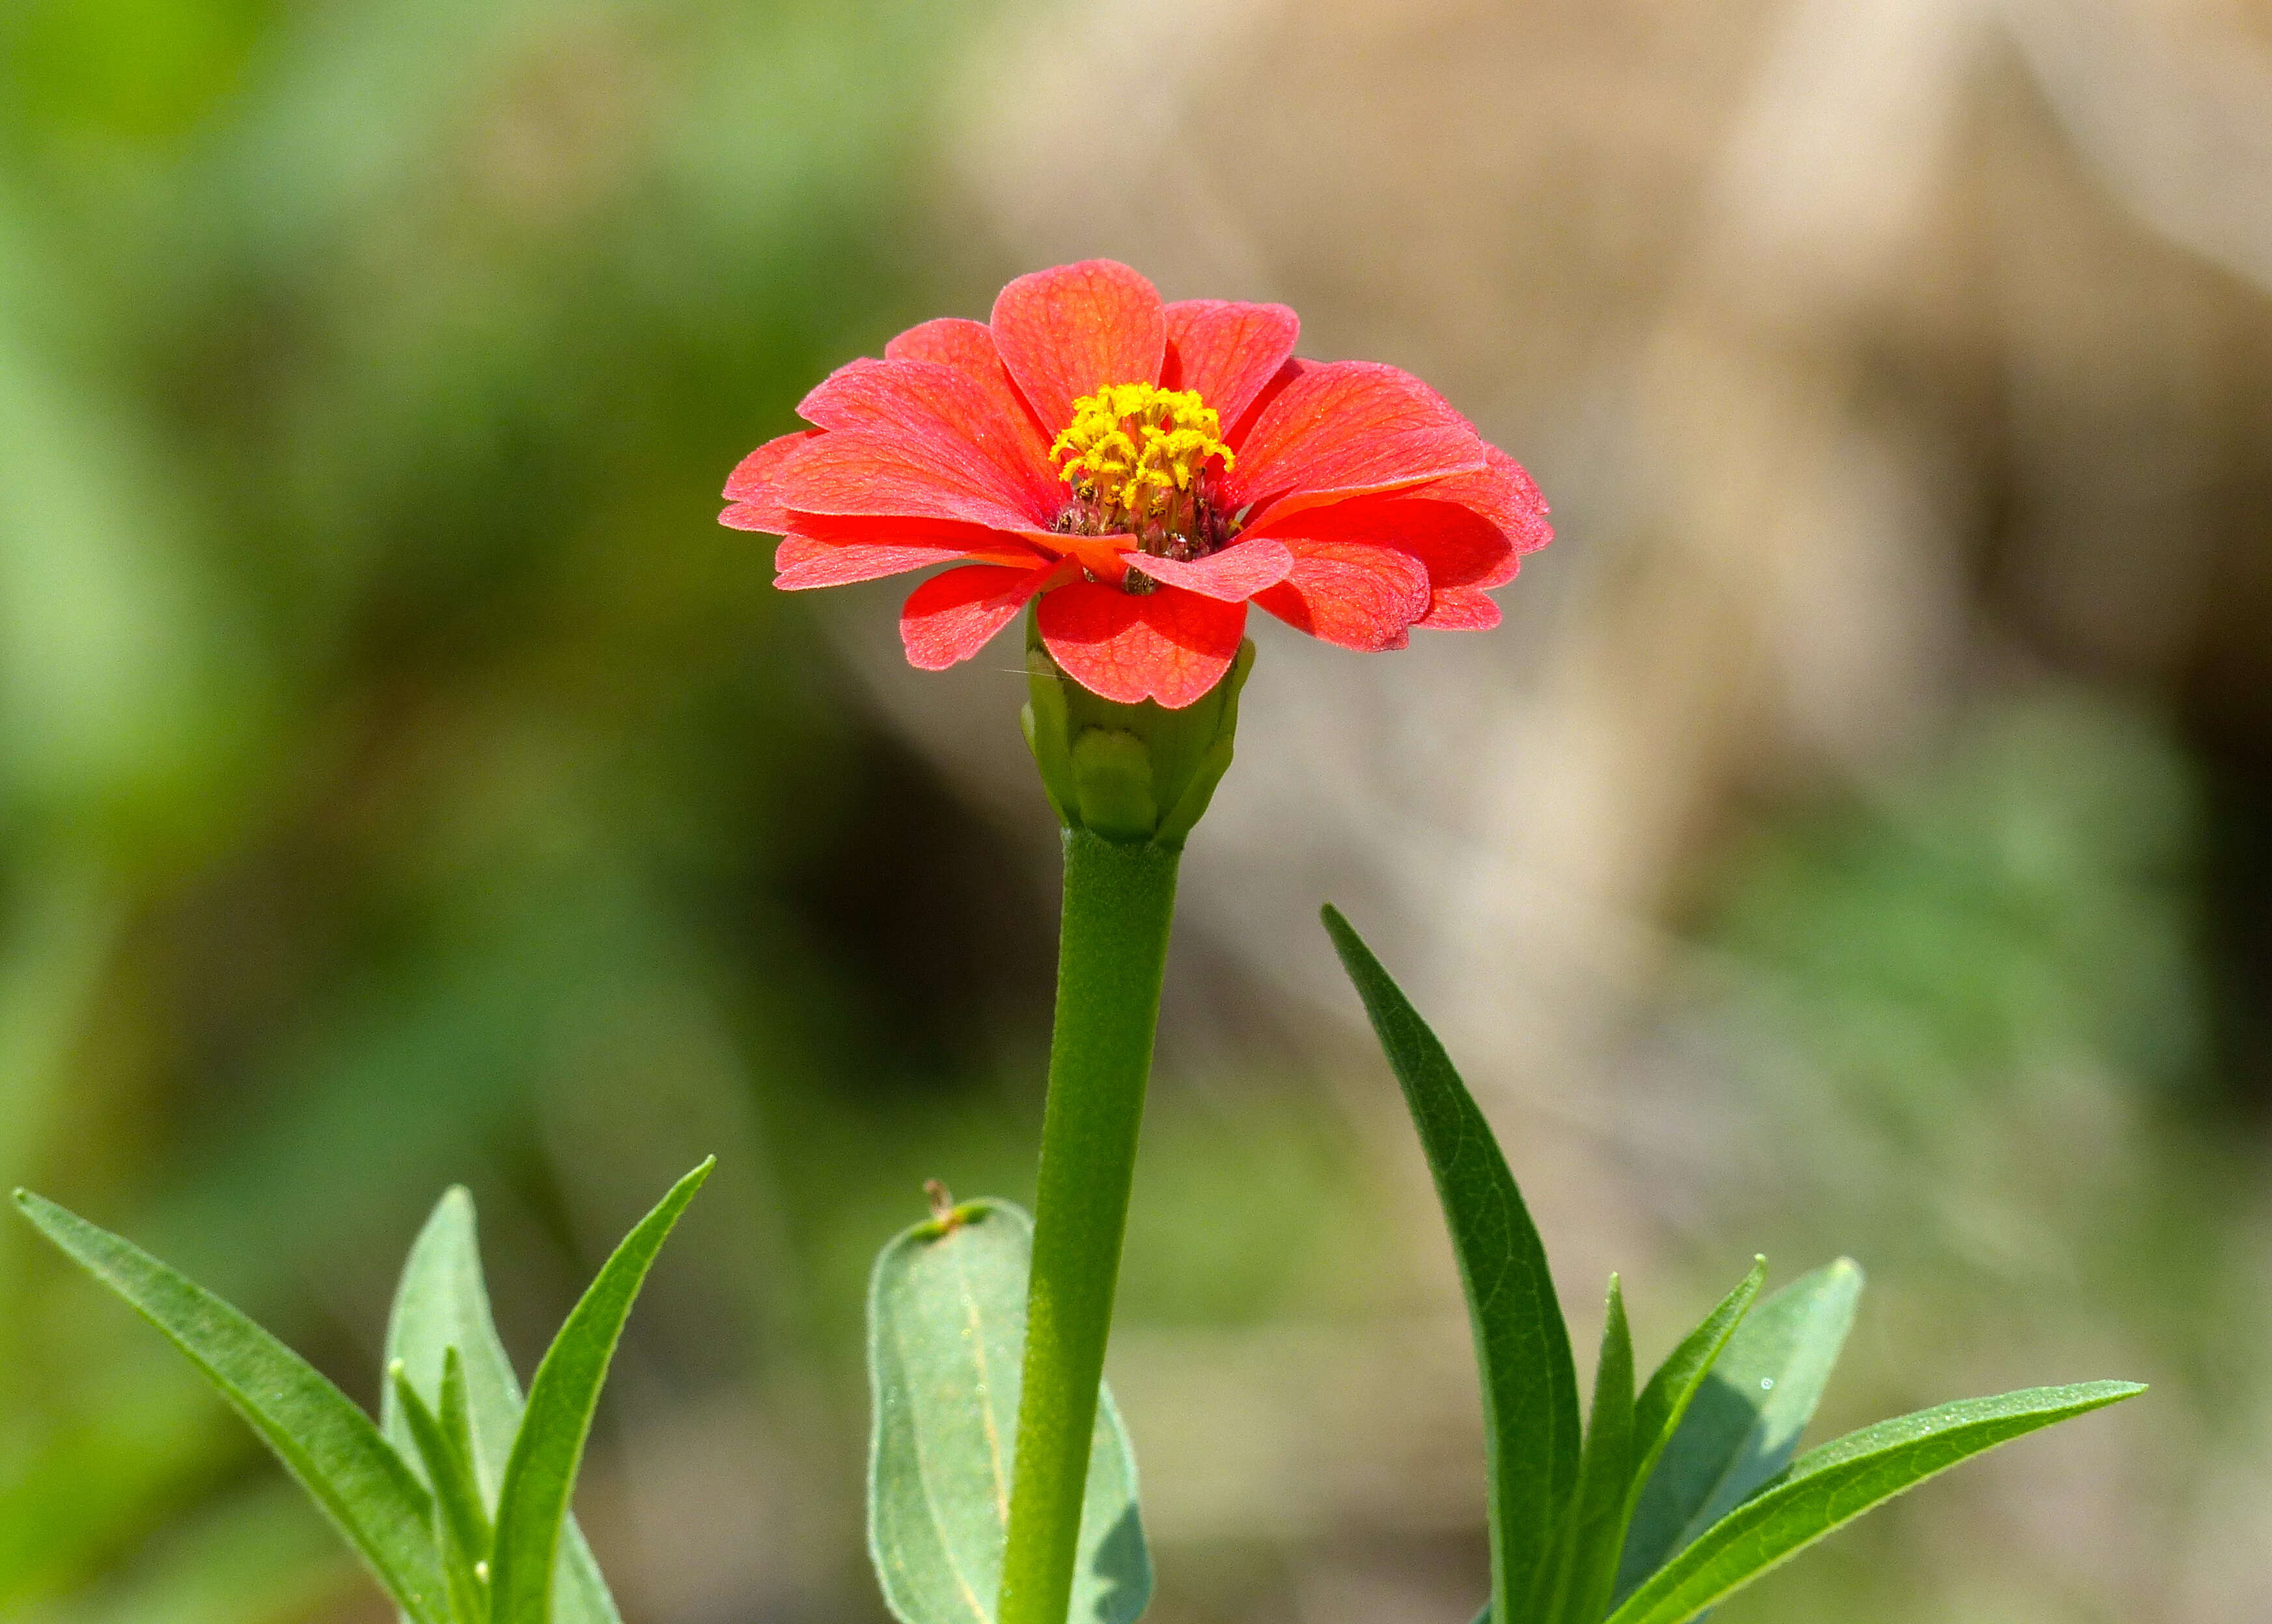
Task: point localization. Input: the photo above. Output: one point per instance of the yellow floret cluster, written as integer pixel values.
(1135, 447)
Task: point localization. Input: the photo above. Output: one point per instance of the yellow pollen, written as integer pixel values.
(1134, 448)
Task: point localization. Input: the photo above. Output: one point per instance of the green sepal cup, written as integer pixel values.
(1136, 774)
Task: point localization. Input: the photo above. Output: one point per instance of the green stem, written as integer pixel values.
(1112, 947)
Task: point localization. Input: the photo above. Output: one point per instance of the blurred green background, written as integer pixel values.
(1855, 843)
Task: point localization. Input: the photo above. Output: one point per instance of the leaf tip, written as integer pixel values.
(695, 1177)
(1348, 945)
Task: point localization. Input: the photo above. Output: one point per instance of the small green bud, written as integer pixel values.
(1134, 773)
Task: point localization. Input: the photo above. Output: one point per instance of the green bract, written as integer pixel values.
(1134, 773)
(459, 1506)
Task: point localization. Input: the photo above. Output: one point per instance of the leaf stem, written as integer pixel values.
(1112, 950)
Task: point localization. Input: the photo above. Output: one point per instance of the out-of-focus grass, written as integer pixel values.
(1971, 1031)
(401, 778)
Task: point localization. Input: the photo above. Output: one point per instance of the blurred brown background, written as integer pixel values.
(1855, 842)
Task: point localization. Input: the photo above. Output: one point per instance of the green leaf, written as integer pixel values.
(449, 1471)
(1530, 1384)
(324, 1441)
(1831, 1486)
(947, 1338)
(1656, 1417)
(540, 1475)
(1743, 1424)
(461, 1523)
(442, 1303)
(1595, 1525)
(457, 1422)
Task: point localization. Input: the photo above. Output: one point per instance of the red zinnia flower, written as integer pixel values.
(1153, 469)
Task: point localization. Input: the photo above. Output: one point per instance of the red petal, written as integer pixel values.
(801, 562)
(1234, 575)
(1498, 574)
(969, 347)
(946, 418)
(950, 341)
(1460, 608)
(805, 561)
(894, 531)
(950, 616)
(756, 516)
(1169, 645)
(1065, 332)
(1460, 546)
(1504, 493)
(1235, 434)
(979, 541)
(1358, 596)
(1096, 554)
(868, 473)
(1345, 429)
(1225, 351)
(749, 487)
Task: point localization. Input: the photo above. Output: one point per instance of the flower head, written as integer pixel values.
(1146, 470)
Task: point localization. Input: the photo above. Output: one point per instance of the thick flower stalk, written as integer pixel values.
(1139, 473)
(1128, 781)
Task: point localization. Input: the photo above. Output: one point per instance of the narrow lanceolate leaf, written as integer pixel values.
(1831, 1486)
(442, 1303)
(1743, 1422)
(461, 1521)
(457, 1498)
(1657, 1415)
(322, 1438)
(1594, 1527)
(946, 1337)
(456, 1421)
(540, 1475)
(1664, 1403)
(1531, 1387)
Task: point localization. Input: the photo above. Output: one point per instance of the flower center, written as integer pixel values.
(1137, 458)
